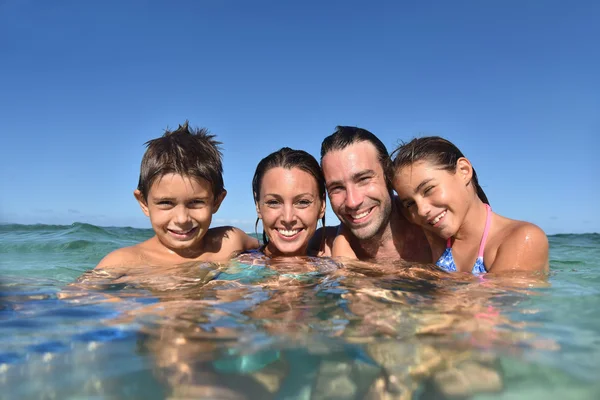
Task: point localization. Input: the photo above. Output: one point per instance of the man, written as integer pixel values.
(358, 172)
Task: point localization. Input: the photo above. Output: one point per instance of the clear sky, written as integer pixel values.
(83, 84)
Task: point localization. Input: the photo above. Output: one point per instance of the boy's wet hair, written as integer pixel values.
(186, 151)
(288, 158)
(345, 136)
(436, 150)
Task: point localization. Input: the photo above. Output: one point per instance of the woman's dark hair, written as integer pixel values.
(288, 158)
(436, 150)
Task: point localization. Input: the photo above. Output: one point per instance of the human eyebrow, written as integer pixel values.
(331, 184)
(303, 195)
(161, 199)
(363, 174)
(274, 195)
(423, 183)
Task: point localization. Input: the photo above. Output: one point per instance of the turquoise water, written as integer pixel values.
(301, 329)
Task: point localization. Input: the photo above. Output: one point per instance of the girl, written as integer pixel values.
(439, 191)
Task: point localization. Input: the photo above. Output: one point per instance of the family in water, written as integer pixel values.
(438, 214)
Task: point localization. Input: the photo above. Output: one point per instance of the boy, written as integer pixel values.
(180, 188)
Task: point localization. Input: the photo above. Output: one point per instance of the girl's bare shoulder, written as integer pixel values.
(518, 245)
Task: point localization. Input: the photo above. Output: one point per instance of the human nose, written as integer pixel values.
(423, 208)
(354, 198)
(182, 215)
(289, 214)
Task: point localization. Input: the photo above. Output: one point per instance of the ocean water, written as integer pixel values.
(295, 329)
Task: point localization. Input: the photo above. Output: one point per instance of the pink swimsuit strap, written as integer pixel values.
(486, 230)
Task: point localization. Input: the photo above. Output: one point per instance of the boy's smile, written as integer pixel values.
(183, 235)
(180, 209)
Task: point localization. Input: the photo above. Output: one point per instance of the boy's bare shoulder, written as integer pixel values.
(229, 240)
(125, 256)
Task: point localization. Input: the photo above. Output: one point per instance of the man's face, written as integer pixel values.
(357, 191)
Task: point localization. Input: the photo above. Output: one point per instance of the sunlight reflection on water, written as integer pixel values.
(300, 328)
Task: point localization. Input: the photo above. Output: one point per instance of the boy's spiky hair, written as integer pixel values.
(187, 151)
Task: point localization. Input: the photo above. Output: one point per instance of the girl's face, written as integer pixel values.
(290, 207)
(434, 198)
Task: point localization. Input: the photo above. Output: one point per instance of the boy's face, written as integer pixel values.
(180, 209)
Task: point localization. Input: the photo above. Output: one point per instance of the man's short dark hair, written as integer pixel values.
(345, 136)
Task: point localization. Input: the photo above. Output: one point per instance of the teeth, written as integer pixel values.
(182, 232)
(288, 233)
(437, 219)
(361, 215)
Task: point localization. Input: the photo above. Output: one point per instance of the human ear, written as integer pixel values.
(464, 169)
(218, 200)
(322, 209)
(143, 203)
(258, 213)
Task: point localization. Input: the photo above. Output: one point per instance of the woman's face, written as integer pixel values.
(290, 206)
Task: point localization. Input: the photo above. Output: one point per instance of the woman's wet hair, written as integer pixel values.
(288, 158)
(436, 150)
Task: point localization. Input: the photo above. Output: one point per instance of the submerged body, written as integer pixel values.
(339, 327)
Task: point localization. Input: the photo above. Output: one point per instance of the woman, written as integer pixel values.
(289, 195)
(439, 190)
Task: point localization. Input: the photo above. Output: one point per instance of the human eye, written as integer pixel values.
(197, 203)
(428, 190)
(364, 179)
(335, 189)
(304, 203)
(408, 203)
(164, 203)
(272, 203)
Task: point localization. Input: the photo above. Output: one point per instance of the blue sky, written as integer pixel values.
(83, 84)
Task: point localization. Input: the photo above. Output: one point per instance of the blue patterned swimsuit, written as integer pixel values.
(446, 261)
